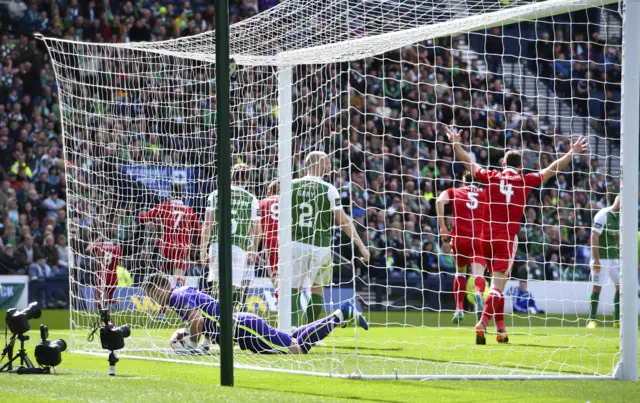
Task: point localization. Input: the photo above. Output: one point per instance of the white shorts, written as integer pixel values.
(241, 273)
(609, 269)
(311, 265)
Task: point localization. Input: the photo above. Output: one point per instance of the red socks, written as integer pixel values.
(480, 284)
(494, 308)
(459, 290)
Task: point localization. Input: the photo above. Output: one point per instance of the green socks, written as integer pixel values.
(314, 308)
(616, 306)
(295, 308)
(595, 298)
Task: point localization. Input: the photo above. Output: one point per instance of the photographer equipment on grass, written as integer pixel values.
(111, 338)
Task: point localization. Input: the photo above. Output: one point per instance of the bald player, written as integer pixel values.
(315, 209)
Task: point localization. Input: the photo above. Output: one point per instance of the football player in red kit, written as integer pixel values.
(179, 224)
(269, 215)
(468, 207)
(507, 192)
(108, 256)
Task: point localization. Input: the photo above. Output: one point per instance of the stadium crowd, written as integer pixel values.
(391, 155)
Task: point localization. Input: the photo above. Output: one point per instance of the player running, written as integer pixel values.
(605, 259)
(507, 192)
(315, 208)
(467, 209)
(251, 332)
(108, 256)
(245, 233)
(179, 224)
(269, 215)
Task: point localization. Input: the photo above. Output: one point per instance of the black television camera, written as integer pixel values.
(48, 353)
(111, 337)
(18, 321)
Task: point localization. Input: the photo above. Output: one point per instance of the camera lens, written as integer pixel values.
(59, 344)
(126, 332)
(33, 311)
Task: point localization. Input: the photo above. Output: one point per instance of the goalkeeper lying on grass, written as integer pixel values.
(201, 313)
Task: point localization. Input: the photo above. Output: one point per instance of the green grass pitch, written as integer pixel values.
(436, 347)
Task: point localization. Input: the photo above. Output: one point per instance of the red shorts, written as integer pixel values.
(174, 258)
(106, 283)
(500, 253)
(467, 251)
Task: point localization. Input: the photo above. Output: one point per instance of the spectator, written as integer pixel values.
(50, 251)
(52, 203)
(63, 252)
(29, 252)
(446, 261)
(522, 299)
(10, 263)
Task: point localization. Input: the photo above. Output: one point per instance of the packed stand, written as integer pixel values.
(33, 197)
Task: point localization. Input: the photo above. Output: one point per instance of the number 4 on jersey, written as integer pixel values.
(506, 189)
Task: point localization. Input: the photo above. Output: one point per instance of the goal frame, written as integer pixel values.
(627, 367)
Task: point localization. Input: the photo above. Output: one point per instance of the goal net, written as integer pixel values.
(374, 84)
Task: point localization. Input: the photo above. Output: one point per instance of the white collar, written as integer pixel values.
(511, 170)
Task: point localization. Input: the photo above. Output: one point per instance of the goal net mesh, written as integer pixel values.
(375, 84)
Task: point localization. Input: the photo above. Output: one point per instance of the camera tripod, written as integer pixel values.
(26, 366)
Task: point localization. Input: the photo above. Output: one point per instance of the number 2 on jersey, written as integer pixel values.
(305, 219)
(506, 189)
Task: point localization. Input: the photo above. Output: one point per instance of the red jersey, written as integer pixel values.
(179, 222)
(467, 208)
(269, 215)
(109, 256)
(507, 193)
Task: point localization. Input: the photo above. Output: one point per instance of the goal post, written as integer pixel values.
(629, 193)
(285, 175)
(373, 84)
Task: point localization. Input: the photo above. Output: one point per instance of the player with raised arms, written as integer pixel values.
(269, 216)
(315, 209)
(605, 259)
(507, 192)
(245, 234)
(201, 313)
(179, 226)
(108, 256)
(467, 209)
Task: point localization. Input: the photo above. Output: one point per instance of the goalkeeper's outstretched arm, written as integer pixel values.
(196, 326)
(346, 224)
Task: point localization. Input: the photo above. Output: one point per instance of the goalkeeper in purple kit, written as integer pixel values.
(201, 312)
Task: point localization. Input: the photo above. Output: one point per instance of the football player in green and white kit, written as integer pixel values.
(605, 259)
(245, 233)
(315, 209)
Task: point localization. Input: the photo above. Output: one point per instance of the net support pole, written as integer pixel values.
(224, 191)
(628, 368)
(285, 115)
